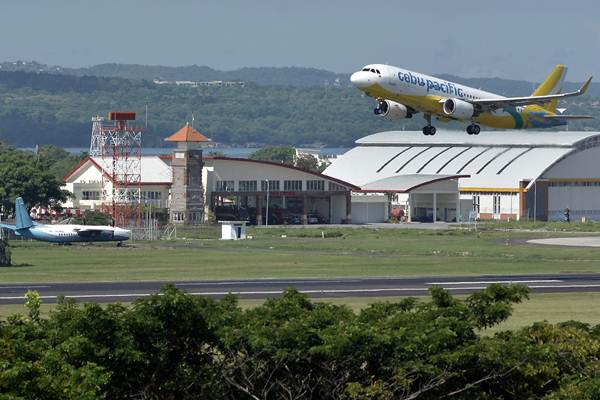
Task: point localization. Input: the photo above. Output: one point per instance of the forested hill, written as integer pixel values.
(294, 76)
(286, 76)
(42, 108)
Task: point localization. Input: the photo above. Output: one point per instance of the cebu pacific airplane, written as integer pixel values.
(59, 233)
(400, 93)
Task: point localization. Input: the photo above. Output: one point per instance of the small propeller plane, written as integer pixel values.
(63, 233)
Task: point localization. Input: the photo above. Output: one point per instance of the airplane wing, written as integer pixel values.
(559, 116)
(492, 104)
(89, 232)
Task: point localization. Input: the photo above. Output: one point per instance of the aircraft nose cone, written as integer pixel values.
(361, 79)
(123, 233)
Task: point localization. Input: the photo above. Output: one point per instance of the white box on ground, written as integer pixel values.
(233, 230)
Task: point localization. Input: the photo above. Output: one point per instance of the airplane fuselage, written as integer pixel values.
(73, 233)
(426, 94)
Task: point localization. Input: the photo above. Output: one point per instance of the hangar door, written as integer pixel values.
(363, 213)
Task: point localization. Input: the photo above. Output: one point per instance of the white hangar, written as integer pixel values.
(497, 174)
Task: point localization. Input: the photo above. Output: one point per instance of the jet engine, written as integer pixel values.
(458, 109)
(391, 110)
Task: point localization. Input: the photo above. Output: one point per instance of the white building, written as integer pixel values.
(233, 188)
(85, 182)
(499, 174)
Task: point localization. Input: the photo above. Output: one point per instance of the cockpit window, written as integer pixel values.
(372, 70)
(378, 71)
(366, 69)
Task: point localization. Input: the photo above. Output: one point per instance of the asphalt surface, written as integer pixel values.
(316, 288)
(586, 241)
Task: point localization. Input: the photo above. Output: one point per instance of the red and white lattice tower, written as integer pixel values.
(117, 147)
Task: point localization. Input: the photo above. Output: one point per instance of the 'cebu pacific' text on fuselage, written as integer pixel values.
(444, 87)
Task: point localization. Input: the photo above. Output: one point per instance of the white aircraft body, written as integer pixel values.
(60, 233)
(400, 93)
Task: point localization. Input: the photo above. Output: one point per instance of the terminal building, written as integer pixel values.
(194, 187)
(447, 177)
(494, 175)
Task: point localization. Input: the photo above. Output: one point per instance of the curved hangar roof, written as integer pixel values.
(498, 159)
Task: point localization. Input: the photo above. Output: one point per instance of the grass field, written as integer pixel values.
(303, 253)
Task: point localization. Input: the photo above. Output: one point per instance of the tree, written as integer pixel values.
(282, 154)
(22, 174)
(58, 161)
(91, 217)
(310, 163)
(176, 346)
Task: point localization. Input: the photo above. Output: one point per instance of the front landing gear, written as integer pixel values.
(473, 129)
(429, 129)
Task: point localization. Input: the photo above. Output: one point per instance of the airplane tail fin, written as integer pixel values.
(23, 220)
(552, 85)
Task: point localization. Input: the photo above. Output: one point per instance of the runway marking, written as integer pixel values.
(316, 291)
(25, 287)
(490, 282)
(265, 282)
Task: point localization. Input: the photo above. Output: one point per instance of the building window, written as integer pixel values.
(194, 217)
(334, 187)
(90, 195)
(315, 185)
(292, 186)
(496, 200)
(177, 216)
(224, 186)
(272, 187)
(247, 186)
(151, 195)
(476, 203)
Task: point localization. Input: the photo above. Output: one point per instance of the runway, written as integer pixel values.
(315, 288)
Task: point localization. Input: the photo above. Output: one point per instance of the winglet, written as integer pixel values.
(585, 86)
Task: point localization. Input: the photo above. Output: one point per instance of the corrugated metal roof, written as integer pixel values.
(153, 169)
(487, 138)
(494, 160)
(404, 183)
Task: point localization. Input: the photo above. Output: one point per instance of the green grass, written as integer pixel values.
(303, 253)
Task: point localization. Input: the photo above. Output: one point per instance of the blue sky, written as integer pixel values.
(514, 39)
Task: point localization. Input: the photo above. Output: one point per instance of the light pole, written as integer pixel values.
(267, 208)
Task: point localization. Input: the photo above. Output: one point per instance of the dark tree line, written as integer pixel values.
(57, 109)
(175, 346)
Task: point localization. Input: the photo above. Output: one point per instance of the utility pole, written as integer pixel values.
(267, 208)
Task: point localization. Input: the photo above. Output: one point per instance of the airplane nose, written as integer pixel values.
(361, 79)
(123, 233)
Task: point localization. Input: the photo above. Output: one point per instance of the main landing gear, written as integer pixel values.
(428, 129)
(473, 129)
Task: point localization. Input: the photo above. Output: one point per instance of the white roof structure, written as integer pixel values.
(496, 159)
(405, 183)
(153, 169)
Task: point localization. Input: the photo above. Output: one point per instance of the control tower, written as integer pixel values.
(187, 192)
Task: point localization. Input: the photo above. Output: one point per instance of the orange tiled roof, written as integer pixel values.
(187, 134)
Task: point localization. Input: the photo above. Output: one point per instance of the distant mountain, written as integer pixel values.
(56, 108)
(286, 76)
